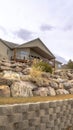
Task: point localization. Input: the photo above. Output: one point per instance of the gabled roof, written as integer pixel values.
(9, 44)
(32, 44)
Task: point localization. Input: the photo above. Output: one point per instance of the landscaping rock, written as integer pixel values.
(11, 75)
(40, 92)
(25, 77)
(61, 91)
(23, 81)
(61, 86)
(54, 84)
(67, 85)
(71, 90)
(51, 91)
(4, 91)
(26, 71)
(6, 81)
(22, 89)
(70, 76)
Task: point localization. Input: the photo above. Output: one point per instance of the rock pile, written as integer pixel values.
(16, 81)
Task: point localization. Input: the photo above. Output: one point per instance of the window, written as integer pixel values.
(24, 55)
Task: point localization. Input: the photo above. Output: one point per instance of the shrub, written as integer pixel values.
(43, 66)
(35, 74)
(70, 64)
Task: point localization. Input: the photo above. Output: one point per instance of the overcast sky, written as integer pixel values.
(50, 20)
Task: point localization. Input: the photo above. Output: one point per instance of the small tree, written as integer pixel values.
(70, 64)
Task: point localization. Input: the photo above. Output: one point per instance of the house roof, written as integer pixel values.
(9, 44)
(36, 45)
(43, 50)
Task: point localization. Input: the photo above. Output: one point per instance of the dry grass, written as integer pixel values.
(35, 74)
(33, 99)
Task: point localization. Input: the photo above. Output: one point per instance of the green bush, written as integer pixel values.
(44, 66)
(70, 64)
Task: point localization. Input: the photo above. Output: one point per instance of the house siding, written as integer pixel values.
(57, 65)
(5, 52)
(18, 53)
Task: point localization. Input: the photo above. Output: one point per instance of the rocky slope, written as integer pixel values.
(19, 80)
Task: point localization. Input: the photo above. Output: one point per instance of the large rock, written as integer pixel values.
(25, 77)
(70, 76)
(8, 64)
(11, 75)
(61, 91)
(7, 82)
(22, 89)
(45, 75)
(4, 91)
(60, 80)
(54, 84)
(42, 82)
(26, 71)
(71, 90)
(61, 86)
(2, 68)
(18, 69)
(67, 85)
(51, 91)
(40, 91)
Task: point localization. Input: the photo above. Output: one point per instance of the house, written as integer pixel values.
(58, 64)
(6, 49)
(27, 51)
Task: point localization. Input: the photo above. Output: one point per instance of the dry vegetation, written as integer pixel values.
(33, 99)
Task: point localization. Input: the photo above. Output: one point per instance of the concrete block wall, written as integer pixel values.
(51, 115)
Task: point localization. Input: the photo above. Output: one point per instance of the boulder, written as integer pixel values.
(11, 75)
(22, 89)
(7, 82)
(18, 69)
(53, 84)
(45, 75)
(2, 68)
(40, 91)
(67, 85)
(71, 90)
(4, 91)
(7, 64)
(60, 80)
(61, 86)
(26, 71)
(42, 82)
(25, 77)
(70, 76)
(61, 91)
(51, 91)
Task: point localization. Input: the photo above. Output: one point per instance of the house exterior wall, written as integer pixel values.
(22, 53)
(5, 52)
(57, 65)
(26, 53)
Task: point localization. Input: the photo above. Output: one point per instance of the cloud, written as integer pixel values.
(23, 34)
(46, 27)
(3, 30)
(68, 27)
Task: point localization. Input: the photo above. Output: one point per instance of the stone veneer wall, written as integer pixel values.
(51, 115)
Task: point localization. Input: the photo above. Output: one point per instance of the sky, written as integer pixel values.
(50, 20)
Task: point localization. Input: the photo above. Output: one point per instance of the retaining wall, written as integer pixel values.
(53, 115)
